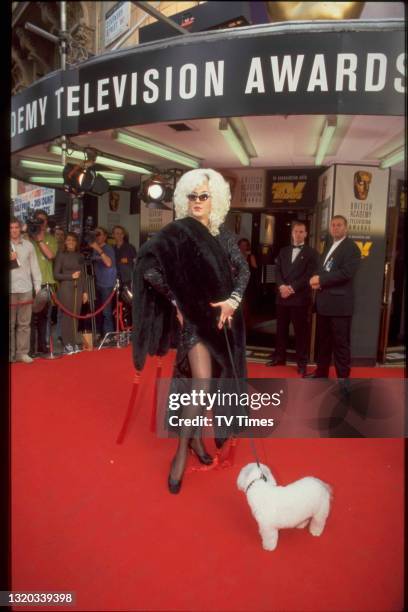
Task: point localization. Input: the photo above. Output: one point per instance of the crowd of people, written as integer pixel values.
(48, 263)
(49, 282)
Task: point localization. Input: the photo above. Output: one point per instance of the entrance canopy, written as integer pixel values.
(280, 82)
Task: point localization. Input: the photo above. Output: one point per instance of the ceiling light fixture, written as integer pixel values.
(111, 175)
(34, 164)
(49, 167)
(103, 160)
(149, 146)
(234, 141)
(393, 158)
(59, 180)
(51, 180)
(325, 139)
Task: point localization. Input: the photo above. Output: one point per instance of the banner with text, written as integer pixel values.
(251, 71)
(39, 198)
(361, 195)
(292, 188)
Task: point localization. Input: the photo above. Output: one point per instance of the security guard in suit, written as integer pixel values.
(334, 300)
(295, 265)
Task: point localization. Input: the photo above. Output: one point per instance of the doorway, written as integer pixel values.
(392, 332)
(268, 232)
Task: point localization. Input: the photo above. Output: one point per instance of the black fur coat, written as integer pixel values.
(198, 271)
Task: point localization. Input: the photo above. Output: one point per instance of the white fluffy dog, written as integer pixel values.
(274, 507)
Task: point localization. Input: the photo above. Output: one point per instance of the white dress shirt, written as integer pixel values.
(332, 249)
(296, 250)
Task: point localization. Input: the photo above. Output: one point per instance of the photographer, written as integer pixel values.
(45, 246)
(24, 273)
(103, 259)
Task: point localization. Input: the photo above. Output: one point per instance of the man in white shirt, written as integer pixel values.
(24, 276)
(334, 300)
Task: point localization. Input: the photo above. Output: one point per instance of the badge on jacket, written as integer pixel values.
(329, 264)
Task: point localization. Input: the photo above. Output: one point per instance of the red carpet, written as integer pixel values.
(95, 517)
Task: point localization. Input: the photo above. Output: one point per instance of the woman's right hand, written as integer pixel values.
(76, 275)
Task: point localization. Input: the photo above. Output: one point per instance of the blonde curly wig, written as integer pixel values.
(218, 188)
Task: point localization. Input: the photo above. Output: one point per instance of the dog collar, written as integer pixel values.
(261, 477)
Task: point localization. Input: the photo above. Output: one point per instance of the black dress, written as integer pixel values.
(69, 291)
(189, 336)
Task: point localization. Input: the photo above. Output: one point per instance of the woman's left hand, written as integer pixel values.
(84, 298)
(226, 313)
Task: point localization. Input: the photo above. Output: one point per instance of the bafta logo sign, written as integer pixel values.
(362, 180)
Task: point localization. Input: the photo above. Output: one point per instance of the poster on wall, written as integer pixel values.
(247, 188)
(293, 188)
(112, 219)
(361, 196)
(152, 220)
(76, 213)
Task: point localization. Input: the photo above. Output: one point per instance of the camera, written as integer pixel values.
(89, 237)
(34, 225)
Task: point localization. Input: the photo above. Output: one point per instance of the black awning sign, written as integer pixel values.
(301, 73)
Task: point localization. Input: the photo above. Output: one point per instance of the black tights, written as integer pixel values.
(199, 359)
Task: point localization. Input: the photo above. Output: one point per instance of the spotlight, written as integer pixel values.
(155, 191)
(79, 180)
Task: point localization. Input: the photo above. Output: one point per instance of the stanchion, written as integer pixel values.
(117, 333)
(51, 355)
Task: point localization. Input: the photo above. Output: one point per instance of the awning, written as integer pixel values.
(350, 67)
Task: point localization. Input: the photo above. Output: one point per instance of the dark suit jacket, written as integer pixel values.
(335, 298)
(297, 274)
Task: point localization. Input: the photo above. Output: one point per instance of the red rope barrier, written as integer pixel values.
(131, 403)
(87, 316)
(155, 398)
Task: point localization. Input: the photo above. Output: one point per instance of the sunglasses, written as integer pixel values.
(195, 197)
